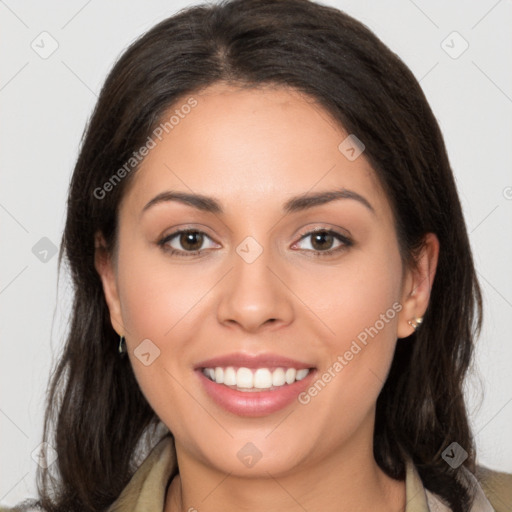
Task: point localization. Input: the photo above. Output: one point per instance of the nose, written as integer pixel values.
(254, 293)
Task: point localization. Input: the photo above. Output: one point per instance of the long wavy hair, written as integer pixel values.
(96, 416)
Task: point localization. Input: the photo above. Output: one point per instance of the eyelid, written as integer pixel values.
(325, 227)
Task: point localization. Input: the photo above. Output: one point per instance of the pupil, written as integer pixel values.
(320, 236)
(187, 239)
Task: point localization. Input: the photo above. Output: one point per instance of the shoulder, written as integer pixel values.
(497, 487)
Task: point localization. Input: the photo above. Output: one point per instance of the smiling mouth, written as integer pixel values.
(255, 379)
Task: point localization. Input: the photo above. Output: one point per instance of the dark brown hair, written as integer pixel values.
(99, 412)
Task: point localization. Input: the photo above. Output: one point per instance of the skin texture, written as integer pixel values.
(253, 149)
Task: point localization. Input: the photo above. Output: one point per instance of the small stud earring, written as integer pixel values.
(415, 323)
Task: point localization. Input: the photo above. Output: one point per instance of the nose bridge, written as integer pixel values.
(252, 261)
(253, 294)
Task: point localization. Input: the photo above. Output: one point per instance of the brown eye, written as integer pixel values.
(191, 240)
(322, 241)
(187, 242)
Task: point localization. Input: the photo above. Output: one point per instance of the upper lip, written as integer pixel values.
(252, 361)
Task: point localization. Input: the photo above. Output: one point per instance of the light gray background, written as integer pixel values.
(45, 104)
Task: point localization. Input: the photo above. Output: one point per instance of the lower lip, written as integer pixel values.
(254, 403)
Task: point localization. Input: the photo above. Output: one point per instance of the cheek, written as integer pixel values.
(159, 308)
(166, 302)
(361, 307)
(155, 295)
(358, 294)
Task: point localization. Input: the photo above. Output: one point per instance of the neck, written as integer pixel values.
(348, 480)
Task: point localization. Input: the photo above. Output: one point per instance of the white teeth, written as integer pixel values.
(229, 376)
(219, 375)
(290, 375)
(248, 379)
(244, 378)
(301, 373)
(262, 378)
(278, 377)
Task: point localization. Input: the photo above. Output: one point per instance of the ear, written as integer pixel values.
(417, 285)
(105, 268)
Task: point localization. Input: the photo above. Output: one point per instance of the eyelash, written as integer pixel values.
(347, 242)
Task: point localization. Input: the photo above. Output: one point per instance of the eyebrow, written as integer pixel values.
(295, 204)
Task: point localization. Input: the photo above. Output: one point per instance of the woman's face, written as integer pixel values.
(256, 289)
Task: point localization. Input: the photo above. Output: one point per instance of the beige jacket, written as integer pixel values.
(146, 490)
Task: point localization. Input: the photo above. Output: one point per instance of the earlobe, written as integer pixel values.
(105, 268)
(417, 287)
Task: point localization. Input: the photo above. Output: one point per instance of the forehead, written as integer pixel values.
(251, 148)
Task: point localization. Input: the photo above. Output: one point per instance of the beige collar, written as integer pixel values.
(146, 490)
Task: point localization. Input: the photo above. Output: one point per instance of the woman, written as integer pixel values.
(274, 287)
